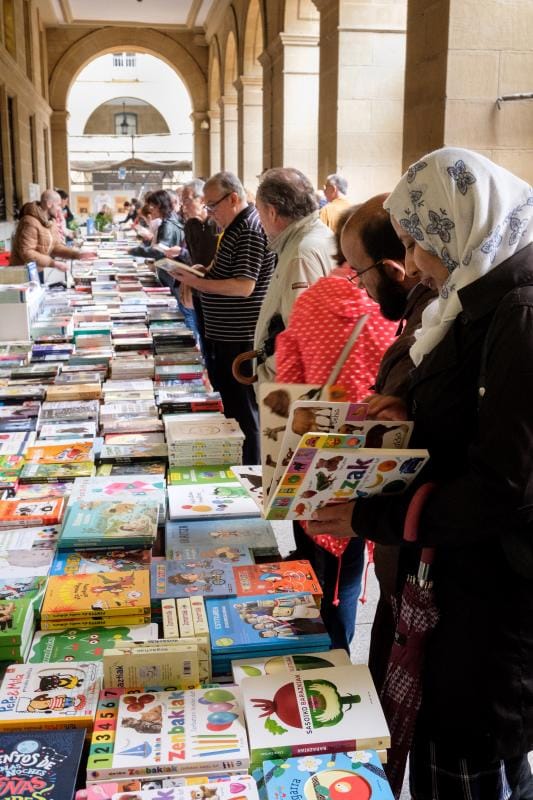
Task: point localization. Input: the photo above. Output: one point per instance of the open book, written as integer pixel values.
(169, 265)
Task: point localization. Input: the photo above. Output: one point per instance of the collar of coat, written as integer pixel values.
(35, 210)
(296, 229)
(482, 296)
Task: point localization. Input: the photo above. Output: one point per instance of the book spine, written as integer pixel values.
(199, 616)
(104, 773)
(185, 620)
(127, 611)
(63, 623)
(260, 754)
(170, 619)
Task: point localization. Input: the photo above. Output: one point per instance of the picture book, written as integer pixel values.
(275, 401)
(65, 430)
(335, 468)
(38, 491)
(20, 600)
(276, 578)
(111, 593)
(103, 523)
(250, 476)
(238, 787)
(254, 533)
(55, 695)
(87, 644)
(255, 667)
(136, 487)
(217, 555)
(356, 775)
(208, 474)
(136, 468)
(64, 453)
(312, 712)
(15, 444)
(183, 578)
(27, 552)
(210, 500)
(132, 452)
(155, 666)
(10, 469)
(73, 562)
(40, 764)
(155, 733)
(28, 513)
(36, 473)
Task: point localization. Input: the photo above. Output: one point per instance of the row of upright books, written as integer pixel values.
(145, 613)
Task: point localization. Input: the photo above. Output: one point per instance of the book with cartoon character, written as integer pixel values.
(254, 667)
(276, 578)
(132, 488)
(356, 775)
(191, 577)
(40, 764)
(111, 595)
(27, 552)
(337, 468)
(69, 452)
(312, 712)
(43, 696)
(158, 733)
(29, 513)
(74, 562)
(85, 644)
(237, 787)
(210, 500)
(20, 601)
(253, 533)
(107, 523)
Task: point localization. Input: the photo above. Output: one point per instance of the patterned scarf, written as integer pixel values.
(469, 212)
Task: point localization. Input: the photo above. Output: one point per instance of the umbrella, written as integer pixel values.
(417, 616)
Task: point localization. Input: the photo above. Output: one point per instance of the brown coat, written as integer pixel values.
(37, 239)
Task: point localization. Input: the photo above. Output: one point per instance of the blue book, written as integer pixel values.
(358, 775)
(195, 576)
(254, 533)
(278, 622)
(40, 764)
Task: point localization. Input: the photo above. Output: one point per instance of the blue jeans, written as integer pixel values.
(189, 315)
(339, 619)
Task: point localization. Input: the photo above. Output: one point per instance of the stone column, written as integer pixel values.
(250, 121)
(290, 83)
(214, 141)
(229, 134)
(59, 145)
(200, 162)
(479, 51)
(362, 58)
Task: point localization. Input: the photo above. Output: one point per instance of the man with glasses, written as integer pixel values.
(231, 294)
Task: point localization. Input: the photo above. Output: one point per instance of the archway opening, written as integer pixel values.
(229, 113)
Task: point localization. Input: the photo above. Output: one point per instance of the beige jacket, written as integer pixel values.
(306, 251)
(331, 213)
(37, 239)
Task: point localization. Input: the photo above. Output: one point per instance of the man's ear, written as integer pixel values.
(394, 269)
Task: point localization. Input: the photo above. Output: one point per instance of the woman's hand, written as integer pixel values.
(386, 407)
(335, 520)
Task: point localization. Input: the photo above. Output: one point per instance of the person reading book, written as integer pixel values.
(467, 226)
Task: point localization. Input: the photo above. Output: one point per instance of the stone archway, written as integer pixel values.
(113, 39)
(228, 107)
(214, 108)
(250, 99)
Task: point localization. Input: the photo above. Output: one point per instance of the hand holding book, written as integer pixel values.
(334, 520)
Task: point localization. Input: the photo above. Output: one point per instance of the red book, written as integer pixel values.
(276, 577)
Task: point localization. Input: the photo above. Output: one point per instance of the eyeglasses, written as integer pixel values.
(211, 206)
(359, 272)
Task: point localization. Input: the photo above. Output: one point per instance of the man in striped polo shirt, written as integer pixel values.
(231, 295)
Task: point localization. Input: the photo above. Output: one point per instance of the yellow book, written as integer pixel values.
(64, 623)
(169, 613)
(153, 666)
(183, 606)
(113, 594)
(199, 616)
(204, 653)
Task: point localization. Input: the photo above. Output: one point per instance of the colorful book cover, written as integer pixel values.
(87, 644)
(100, 523)
(39, 764)
(209, 474)
(132, 488)
(28, 513)
(238, 787)
(356, 775)
(201, 730)
(255, 667)
(155, 666)
(20, 599)
(15, 444)
(137, 468)
(334, 468)
(63, 430)
(41, 696)
(112, 593)
(38, 491)
(27, 552)
(132, 452)
(253, 533)
(64, 453)
(276, 578)
(216, 554)
(210, 500)
(244, 626)
(74, 562)
(10, 469)
(183, 578)
(56, 472)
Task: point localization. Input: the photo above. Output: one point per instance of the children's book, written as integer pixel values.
(15, 444)
(87, 644)
(38, 491)
(276, 578)
(49, 696)
(255, 667)
(74, 562)
(335, 468)
(231, 533)
(217, 555)
(10, 469)
(312, 712)
(20, 600)
(40, 764)
(209, 474)
(155, 733)
(64, 453)
(104, 523)
(356, 775)
(64, 430)
(36, 473)
(109, 593)
(238, 787)
(132, 488)
(154, 666)
(28, 513)
(27, 552)
(132, 452)
(210, 500)
(136, 468)
(183, 578)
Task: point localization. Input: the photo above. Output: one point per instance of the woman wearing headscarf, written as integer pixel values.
(467, 225)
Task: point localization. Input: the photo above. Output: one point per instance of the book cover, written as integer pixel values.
(133, 488)
(55, 695)
(155, 666)
(40, 764)
(201, 730)
(217, 555)
(62, 430)
(136, 468)
(185, 619)
(312, 712)
(100, 523)
(73, 562)
(356, 775)
(334, 468)
(27, 552)
(208, 474)
(38, 491)
(64, 453)
(132, 452)
(253, 533)
(183, 578)
(271, 665)
(276, 578)
(237, 787)
(29, 513)
(20, 599)
(56, 472)
(112, 593)
(210, 500)
(15, 444)
(85, 644)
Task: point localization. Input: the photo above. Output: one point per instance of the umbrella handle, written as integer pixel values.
(414, 512)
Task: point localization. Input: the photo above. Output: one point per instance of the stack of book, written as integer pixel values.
(214, 440)
(103, 523)
(51, 461)
(185, 620)
(20, 603)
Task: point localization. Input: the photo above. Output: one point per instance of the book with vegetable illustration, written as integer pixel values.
(254, 667)
(314, 711)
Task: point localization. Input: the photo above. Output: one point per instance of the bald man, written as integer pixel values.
(37, 239)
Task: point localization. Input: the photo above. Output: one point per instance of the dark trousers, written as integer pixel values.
(239, 400)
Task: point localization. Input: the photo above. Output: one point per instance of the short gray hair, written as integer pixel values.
(338, 181)
(288, 191)
(196, 186)
(228, 182)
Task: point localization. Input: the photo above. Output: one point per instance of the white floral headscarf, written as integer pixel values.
(470, 213)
